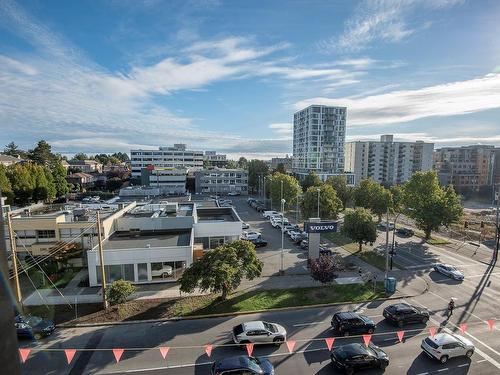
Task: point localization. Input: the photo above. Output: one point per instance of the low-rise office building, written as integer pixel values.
(221, 181)
(169, 181)
(214, 159)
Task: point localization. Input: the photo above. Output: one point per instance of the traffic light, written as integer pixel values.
(466, 224)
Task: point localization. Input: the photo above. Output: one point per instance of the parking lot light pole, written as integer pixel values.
(393, 236)
(318, 190)
(282, 271)
(387, 244)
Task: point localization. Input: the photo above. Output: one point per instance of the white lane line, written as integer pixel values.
(422, 373)
(463, 365)
(307, 324)
(481, 361)
(443, 369)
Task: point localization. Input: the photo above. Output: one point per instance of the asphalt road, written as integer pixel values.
(477, 300)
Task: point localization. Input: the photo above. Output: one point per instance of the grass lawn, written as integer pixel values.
(64, 279)
(433, 240)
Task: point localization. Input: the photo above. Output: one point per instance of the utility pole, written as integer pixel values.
(12, 240)
(497, 232)
(318, 190)
(101, 258)
(9, 355)
(282, 234)
(387, 244)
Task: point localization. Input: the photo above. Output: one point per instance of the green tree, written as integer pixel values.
(429, 204)
(81, 156)
(59, 178)
(256, 168)
(359, 226)
(222, 269)
(42, 153)
(43, 184)
(397, 193)
(207, 164)
(101, 158)
(231, 164)
(329, 204)
(369, 194)
(122, 156)
(13, 150)
(312, 179)
(22, 183)
(119, 291)
(344, 191)
(114, 183)
(242, 163)
(280, 168)
(5, 186)
(291, 187)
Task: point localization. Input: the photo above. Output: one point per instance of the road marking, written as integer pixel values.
(422, 373)
(463, 365)
(481, 361)
(307, 324)
(443, 369)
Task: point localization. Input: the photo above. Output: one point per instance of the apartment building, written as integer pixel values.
(214, 159)
(318, 141)
(467, 168)
(386, 161)
(165, 157)
(221, 181)
(286, 162)
(169, 181)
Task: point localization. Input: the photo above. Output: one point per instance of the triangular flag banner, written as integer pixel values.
(164, 351)
(118, 354)
(366, 339)
(290, 344)
(491, 323)
(24, 354)
(70, 353)
(432, 331)
(249, 349)
(208, 350)
(400, 335)
(329, 342)
(463, 327)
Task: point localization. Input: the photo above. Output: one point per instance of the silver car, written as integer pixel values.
(444, 346)
(449, 270)
(259, 332)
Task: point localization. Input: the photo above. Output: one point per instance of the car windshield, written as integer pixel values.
(270, 327)
(254, 364)
(451, 268)
(370, 351)
(33, 320)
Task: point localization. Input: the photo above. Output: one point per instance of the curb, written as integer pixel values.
(221, 315)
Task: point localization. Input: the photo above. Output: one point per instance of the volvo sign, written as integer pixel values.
(320, 227)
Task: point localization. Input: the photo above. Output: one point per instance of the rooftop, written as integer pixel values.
(124, 240)
(161, 208)
(71, 211)
(218, 214)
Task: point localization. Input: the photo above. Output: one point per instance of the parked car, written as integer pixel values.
(165, 271)
(259, 332)
(383, 225)
(356, 356)
(259, 242)
(277, 220)
(250, 200)
(449, 270)
(233, 193)
(251, 235)
(298, 237)
(33, 327)
(260, 207)
(403, 313)
(444, 346)
(291, 227)
(304, 244)
(242, 365)
(405, 232)
(244, 225)
(347, 323)
(268, 214)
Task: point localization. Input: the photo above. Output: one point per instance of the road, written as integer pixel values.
(477, 301)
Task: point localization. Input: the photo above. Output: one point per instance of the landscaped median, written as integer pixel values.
(240, 302)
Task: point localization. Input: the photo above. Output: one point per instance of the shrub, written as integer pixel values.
(119, 291)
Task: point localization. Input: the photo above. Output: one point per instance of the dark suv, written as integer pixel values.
(402, 313)
(347, 323)
(242, 365)
(351, 357)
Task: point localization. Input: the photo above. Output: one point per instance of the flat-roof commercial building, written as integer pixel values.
(386, 161)
(214, 159)
(165, 157)
(169, 181)
(221, 181)
(318, 141)
(155, 242)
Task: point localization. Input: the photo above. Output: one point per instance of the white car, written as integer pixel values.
(259, 331)
(268, 214)
(244, 225)
(165, 271)
(444, 346)
(251, 235)
(449, 270)
(233, 193)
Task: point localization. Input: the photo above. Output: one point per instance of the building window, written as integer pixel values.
(116, 272)
(216, 241)
(46, 233)
(167, 270)
(142, 272)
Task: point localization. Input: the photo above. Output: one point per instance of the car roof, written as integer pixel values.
(402, 306)
(348, 315)
(231, 363)
(257, 324)
(352, 349)
(444, 338)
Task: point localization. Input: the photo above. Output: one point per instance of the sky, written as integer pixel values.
(104, 76)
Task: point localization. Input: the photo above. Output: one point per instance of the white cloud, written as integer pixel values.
(16, 66)
(450, 99)
(382, 20)
(426, 137)
(283, 129)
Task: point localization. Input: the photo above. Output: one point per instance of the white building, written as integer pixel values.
(165, 157)
(169, 181)
(386, 161)
(221, 181)
(155, 242)
(215, 159)
(318, 141)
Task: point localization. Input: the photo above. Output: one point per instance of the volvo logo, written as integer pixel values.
(323, 227)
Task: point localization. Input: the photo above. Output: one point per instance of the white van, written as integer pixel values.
(268, 214)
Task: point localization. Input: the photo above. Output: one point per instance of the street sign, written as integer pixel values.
(320, 227)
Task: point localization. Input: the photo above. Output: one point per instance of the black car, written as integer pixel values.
(405, 232)
(348, 323)
(260, 207)
(33, 327)
(243, 365)
(325, 251)
(259, 242)
(402, 313)
(352, 357)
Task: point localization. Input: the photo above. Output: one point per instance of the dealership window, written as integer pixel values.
(142, 272)
(116, 272)
(216, 241)
(167, 270)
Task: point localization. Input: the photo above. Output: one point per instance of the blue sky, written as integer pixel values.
(105, 76)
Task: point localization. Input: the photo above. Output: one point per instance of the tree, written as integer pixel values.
(5, 186)
(81, 156)
(359, 226)
(21, 182)
(397, 193)
(13, 150)
(242, 162)
(325, 268)
(256, 168)
(222, 269)
(59, 177)
(43, 184)
(122, 156)
(114, 183)
(329, 204)
(369, 194)
(312, 179)
(42, 153)
(231, 164)
(280, 168)
(429, 204)
(344, 191)
(291, 187)
(119, 291)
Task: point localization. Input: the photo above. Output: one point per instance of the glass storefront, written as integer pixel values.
(116, 272)
(167, 270)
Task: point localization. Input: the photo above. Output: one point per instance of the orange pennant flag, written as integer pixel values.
(24, 354)
(432, 331)
(70, 353)
(118, 354)
(290, 344)
(249, 349)
(400, 335)
(366, 339)
(491, 323)
(463, 327)
(329, 342)
(164, 351)
(208, 349)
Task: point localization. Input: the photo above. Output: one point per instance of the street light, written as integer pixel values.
(282, 235)
(318, 190)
